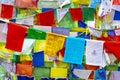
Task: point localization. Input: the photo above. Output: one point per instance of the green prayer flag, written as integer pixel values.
(40, 72)
(88, 14)
(36, 34)
(112, 68)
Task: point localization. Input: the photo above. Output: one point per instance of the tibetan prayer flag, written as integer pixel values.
(36, 34)
(59, 30)
(117, 15)
(39, 45)
(54, 43)
(74, 50)
(94, 52)
(38, 59)
(23, 69)
(7, 11)
(76, 13)
(88, 14)
(46, 18)
(26, 4)
(58, 73)
(15, 37)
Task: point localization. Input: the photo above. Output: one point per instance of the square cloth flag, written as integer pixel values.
(88, 14)
(81, 1)
(36, 34)
(26, 3)
(23, 69)
(38, 59)
(76, 13)
(116, 2)
(74, 50)
(24, 78)
(59, 30)
(40, 72)
(54, 43)
(117, 15)
(94, 52)
(58, 73)
(46, 18)
(7, 11)
(15, 37)
(39, 45)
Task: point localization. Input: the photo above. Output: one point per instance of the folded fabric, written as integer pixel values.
(54, 43)
(112, 47)
(46, 18)
(7, 11)
(15, 36)
(23, 69)
(74, 52)
(76, 13)
(94, 52)
(38, 59)
(36, 34)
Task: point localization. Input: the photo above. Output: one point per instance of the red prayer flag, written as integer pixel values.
(6, 11)
(26, 3)
(116, 2)
(113, 47)
(76, 13)
(15, 37)
(46, 18)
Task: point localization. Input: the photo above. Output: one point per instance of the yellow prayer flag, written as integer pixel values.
(39, 45)
(81, 1)
(5, 50)
(108, 18)
(104, 34)
(25, 58)
(58, 73)
(54, 43)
